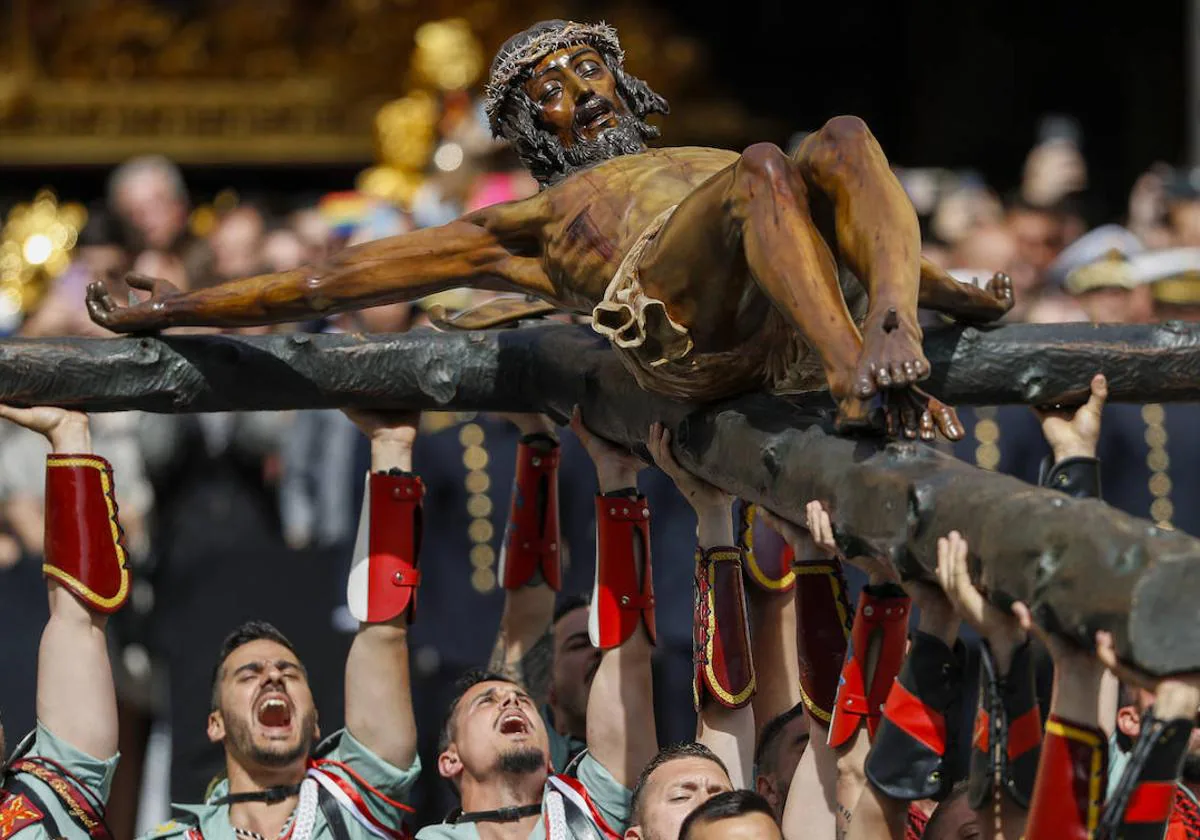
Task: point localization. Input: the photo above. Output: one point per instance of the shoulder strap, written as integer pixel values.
(84, 809)
(333, 814)
(7, 821)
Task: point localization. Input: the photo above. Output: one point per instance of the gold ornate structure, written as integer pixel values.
(280, 81)
(35, 247)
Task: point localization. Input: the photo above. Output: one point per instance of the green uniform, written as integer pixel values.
(212, 821)
(563, 748)
(34, 817)
(610, 798)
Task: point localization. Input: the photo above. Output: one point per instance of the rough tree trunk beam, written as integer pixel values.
(1082, 565)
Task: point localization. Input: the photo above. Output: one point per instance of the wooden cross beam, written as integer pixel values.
(1081, 565)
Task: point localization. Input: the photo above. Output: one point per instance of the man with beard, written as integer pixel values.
(59, 778)
(544, 648)
(712, 272)
(263, 711)
(494, 745)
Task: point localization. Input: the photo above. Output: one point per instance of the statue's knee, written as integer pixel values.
(765, 162)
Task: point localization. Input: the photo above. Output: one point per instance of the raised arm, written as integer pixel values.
(530, 565)
(494, 248)
(86, 579)
(724, 680)
(620, 712)
(382, 593)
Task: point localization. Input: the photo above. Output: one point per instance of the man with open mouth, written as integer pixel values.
(495, 748)
(278, 785)
(58, 779)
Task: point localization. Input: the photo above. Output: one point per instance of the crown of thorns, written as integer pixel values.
(525, 50)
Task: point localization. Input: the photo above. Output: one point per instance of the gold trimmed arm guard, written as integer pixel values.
(85, 546)
(767, 558)
(721, 655)
(823, 621)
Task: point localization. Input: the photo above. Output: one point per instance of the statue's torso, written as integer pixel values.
(599, 213)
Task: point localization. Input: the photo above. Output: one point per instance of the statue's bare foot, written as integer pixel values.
(891, 356)
(914, 414)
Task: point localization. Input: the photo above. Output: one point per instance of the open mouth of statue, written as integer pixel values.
(274, 712)
(514, 723)
(593, 114)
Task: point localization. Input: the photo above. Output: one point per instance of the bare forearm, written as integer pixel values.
(524, 647)
(379, 711)
(620, 721)
(397, 268)
(76, 699)
(811, 809)
(877, 816)
(776, 663)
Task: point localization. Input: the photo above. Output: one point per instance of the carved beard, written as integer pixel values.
(625, 138)
(522, 761)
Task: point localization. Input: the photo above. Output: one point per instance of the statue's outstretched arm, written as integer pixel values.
(494, 249)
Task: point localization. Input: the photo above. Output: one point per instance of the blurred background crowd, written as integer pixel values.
(199, 142)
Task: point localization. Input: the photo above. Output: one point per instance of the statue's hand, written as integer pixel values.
(148, 314)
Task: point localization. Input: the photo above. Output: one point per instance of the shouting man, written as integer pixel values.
(712, 272)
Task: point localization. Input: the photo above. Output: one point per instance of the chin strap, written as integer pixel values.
(914, 749)
(1069, 789)
(85, 546)
(767, 558)
(721, 655)
(1008, 729)
(271, 795)
(531, 552)
(384, 575)
(880, 623)
(499, 815)
(1140, 807)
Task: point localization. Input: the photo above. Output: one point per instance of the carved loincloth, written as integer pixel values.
(658, 351)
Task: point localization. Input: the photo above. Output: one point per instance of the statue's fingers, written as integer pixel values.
(927, 430)
(140, 282)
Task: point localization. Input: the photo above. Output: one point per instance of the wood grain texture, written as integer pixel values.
(1082, 565)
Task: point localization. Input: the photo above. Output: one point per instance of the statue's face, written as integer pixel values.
(576, 94)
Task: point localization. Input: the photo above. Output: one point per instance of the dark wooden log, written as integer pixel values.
(1082, 565)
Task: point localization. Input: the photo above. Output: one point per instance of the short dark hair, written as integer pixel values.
(568, 605)
(464, 684)
(955, 798)
(766, 752)
(249, 632)
(723, 806)
(684, 749)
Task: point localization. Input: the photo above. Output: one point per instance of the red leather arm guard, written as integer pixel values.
(767, 556)
(623, 595)
(721, 655)
(531, 550)
(883, 615)
(1141, 805)
(1071, 778)
(914, 749)
(823, 621)
(384, 575)
(85, 546)
(1008, 729)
